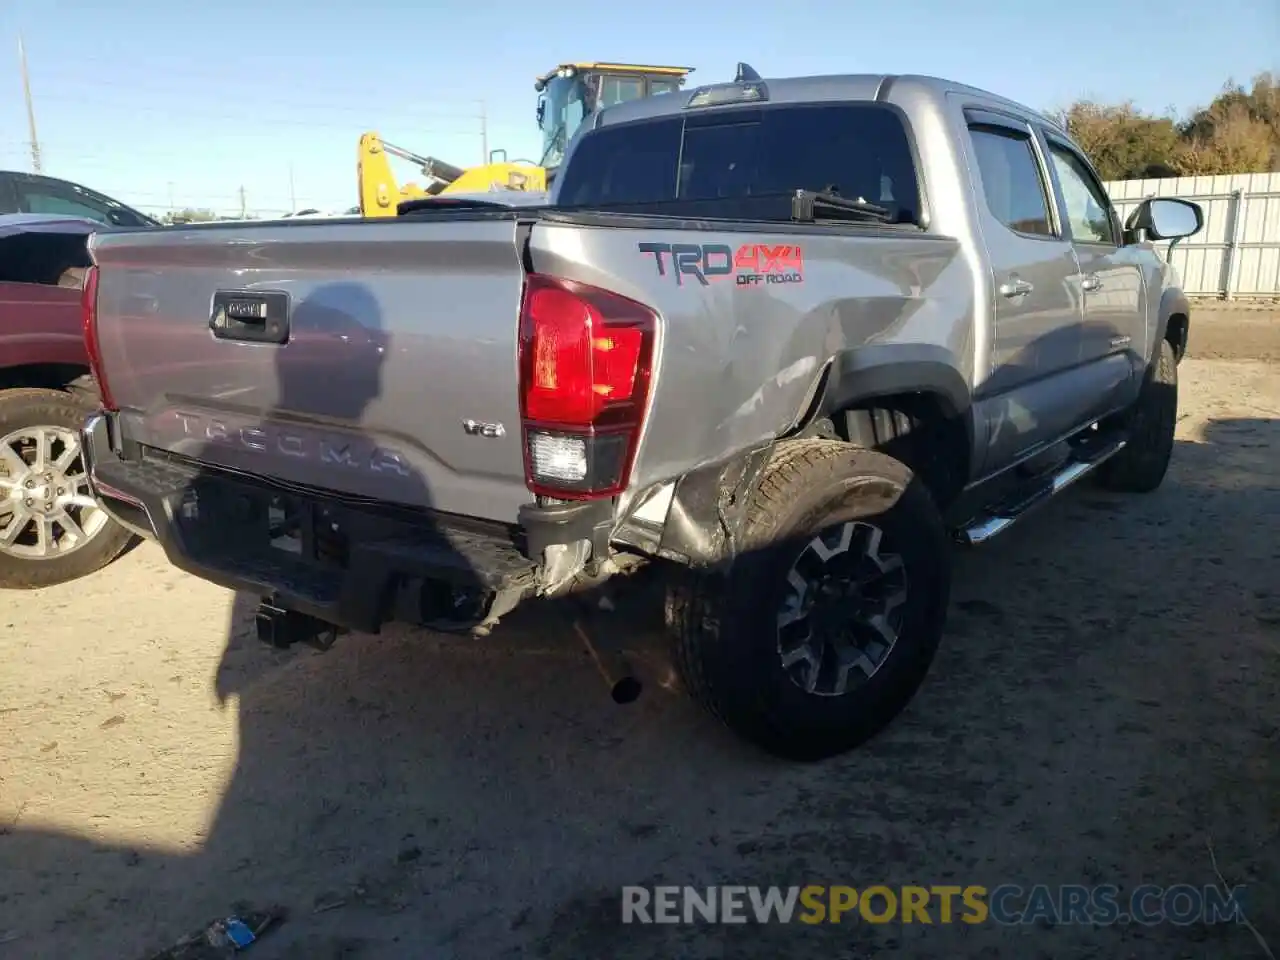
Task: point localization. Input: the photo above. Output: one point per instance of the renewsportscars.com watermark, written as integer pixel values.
(1008, 904)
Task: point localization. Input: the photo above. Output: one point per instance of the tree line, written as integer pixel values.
(1238, 132)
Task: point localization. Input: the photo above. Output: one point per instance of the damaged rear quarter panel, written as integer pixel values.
(738, 361)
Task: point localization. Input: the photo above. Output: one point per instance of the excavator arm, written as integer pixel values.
(568, 95)
(378, 189)
(380, 194)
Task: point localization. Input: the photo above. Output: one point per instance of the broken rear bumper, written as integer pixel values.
(349, 563)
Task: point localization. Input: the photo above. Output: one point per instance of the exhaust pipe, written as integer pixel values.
(624, 686)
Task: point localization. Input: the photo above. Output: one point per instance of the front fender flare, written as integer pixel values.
(1172, 302)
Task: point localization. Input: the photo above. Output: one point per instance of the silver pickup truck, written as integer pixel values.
(776, 340)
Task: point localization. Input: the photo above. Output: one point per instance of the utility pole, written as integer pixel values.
(484, 132)
(244, 207)
(31, 110)
(171, 196)
(293, 197)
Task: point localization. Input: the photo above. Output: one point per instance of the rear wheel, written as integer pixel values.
(832, 612)
(51, 528)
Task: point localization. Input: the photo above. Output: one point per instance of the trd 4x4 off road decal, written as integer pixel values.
(751, 265)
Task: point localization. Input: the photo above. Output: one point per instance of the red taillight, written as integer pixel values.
(89, 324)
(585, 359)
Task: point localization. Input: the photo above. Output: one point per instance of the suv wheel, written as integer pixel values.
(1150, 424)
(51, 528)
(828, 619)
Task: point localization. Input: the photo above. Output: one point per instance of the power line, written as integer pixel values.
(456, 106)
(362, 121)
(71, 154)
(186, 69)
(144, 101)
(359, 86)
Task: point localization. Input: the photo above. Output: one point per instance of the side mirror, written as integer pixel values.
(1165, 218)
(494, 154)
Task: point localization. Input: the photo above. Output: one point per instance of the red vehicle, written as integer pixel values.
(51, 529)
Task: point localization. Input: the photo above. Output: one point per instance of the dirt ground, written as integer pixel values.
(1107, 701)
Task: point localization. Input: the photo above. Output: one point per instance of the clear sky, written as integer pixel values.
(165, 101)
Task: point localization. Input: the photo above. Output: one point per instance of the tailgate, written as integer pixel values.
(399, 339)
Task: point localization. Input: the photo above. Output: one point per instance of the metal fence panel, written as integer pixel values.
(1237, 254)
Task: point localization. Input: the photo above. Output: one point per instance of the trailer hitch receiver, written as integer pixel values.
(281, 628)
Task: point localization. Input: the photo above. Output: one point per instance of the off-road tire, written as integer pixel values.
(724, 624)
(1149, 425)
(32, 407)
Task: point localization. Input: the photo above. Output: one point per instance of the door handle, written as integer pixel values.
(255, 317)
(1015, 288)
(1091, 282)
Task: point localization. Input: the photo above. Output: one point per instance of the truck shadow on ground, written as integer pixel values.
(1104, 700)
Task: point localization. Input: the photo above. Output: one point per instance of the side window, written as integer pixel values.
(37, 198)
(620, 89)
(8, 194)
(1088, 209)
(1011, 180)
(657, 86)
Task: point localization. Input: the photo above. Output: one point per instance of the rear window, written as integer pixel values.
(746, 162)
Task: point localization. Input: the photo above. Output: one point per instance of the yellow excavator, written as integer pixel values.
(567, 95)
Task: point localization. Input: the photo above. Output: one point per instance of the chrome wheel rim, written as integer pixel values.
(841, 610)
(46, 510)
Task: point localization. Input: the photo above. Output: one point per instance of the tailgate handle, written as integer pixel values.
(251, 316)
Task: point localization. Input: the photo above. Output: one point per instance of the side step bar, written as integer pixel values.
(1005, 516)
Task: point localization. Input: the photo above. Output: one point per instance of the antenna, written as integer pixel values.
(746, 74)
